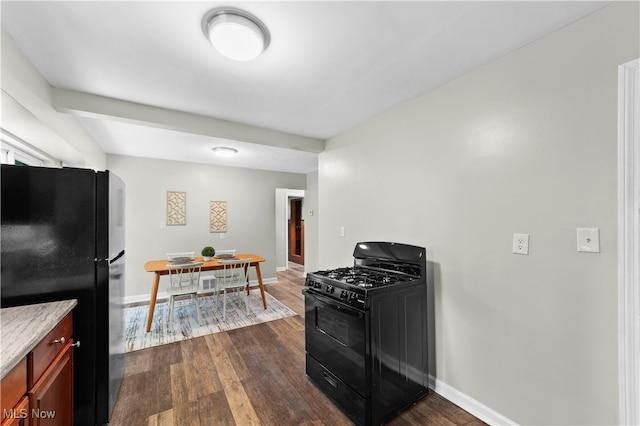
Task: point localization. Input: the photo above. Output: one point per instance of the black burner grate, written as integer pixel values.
(363, 277)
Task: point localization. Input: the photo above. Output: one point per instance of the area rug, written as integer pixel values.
(185, 321)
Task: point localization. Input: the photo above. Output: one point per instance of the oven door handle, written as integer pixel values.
(335, 304)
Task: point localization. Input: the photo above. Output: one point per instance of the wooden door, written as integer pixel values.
(296, 232)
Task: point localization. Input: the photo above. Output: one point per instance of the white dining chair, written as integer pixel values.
(234, 278)
(185, 280)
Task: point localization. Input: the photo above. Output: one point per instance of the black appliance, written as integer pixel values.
(63, 238)
(366, 331)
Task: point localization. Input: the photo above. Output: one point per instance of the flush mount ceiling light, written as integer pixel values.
(235, 33)
(224, 151)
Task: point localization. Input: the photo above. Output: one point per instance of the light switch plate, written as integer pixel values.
(588, 240)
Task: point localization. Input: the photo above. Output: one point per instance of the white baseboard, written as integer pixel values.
(469, 404)
(281, 268)
(140, 298)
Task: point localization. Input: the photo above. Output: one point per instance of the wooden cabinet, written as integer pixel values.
(39, 390)
(51, 399)
(19, 415)
(15, 405)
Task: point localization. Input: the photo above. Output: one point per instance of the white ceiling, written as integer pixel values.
(330, 66)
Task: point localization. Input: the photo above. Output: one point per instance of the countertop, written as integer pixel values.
(23, 327)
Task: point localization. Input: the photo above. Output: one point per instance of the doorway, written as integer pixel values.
(296, 232)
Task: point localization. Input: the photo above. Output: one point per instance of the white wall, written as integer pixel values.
(250, 196)
(525, 144)
(27, 113)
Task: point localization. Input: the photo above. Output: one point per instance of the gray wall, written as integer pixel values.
(310, 214)
(250, 196)
(526, 144)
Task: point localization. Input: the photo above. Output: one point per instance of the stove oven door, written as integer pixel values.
(336, 337)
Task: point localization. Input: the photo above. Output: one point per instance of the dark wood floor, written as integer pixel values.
(249, 376)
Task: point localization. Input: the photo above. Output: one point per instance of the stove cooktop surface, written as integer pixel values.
(364, 277)
(353, 285)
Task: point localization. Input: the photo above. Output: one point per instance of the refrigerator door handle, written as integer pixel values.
(116, 257)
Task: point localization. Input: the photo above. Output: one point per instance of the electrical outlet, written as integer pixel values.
(520, 244)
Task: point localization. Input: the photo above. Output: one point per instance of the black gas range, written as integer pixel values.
(366, 331)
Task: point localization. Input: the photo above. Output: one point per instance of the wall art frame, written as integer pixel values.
(176, 208)
(217, 216)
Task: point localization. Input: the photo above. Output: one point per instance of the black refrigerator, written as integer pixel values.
(62, 237)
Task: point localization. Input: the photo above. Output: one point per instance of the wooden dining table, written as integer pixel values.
(159, 268)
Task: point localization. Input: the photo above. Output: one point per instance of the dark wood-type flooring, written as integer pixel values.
(249, 376)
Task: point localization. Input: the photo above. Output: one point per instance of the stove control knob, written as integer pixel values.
(330, 289)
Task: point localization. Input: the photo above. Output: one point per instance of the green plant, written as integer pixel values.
(208, 251)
